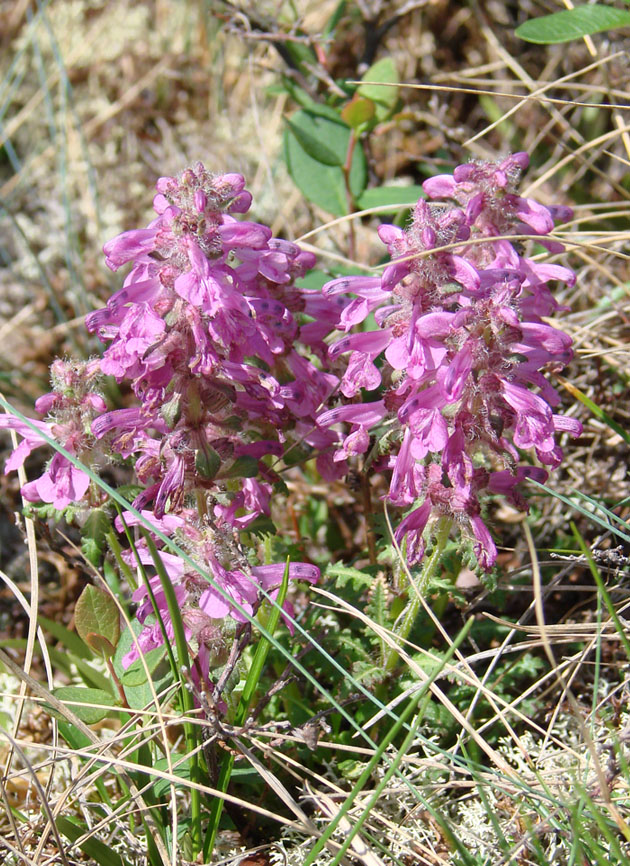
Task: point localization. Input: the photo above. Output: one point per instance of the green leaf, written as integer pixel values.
(358, 111)
(345, 574)
(334, 19)
(302, 129)
(139, 696)
(244, 466)
(600, 414)
(77, 696)
(100, 645)
(302, 98)
(207, 461)
(92, 678)
(97, 620)
(161, 787)
(301, 54)
(376, 607)
(573, 24)
(325, 185)
(386, 97)
(136, 673)
(92, 847)
(94, 533)
(395, 197)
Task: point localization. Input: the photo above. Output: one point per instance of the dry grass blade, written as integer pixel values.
(540, 616)
(43, 801)
(37, 689)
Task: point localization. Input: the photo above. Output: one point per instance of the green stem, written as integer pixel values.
(411, 613)
(116, 549)
(242, 709)
(366, 775)
(186, 698)
(347, 168)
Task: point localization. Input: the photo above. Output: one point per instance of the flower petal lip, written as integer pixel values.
(127, 246)
(369, 342)
(356, 413)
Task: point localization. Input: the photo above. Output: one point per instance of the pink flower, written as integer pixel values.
(461, 349)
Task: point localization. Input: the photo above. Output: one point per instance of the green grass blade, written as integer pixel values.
(376, 758)
(251, 684)
(610, 607)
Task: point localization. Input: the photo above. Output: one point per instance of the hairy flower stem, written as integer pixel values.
(347, 168)
(191, 731)
(242, 710)
(430, 567)
(366, 490)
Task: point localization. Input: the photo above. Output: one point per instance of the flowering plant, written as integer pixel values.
(231, 364)
(463, 347)
(226, 365)
(205, 332)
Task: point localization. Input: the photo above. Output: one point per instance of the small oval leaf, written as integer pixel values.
(358, 111)
(96, 614)
(312, 145)
(77, 696)
(377, 86)
(573, 24)
(100, 645)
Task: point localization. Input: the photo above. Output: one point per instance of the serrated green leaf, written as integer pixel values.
(573, 24)
(136, 674)
(301, 127)
(92, 847)
(97, 619)
(76, 696)
(353, 645)
(370, 674)
(344, 574)
(376, 607)
(383, 73)
(325, 185)
(94, 532)
(396, 197)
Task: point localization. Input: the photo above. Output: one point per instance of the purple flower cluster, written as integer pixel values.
(220, 349)
(463, 347)
(71, 407)
(217, 344)
(207, 331)
(230, 365)
(204, 608)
